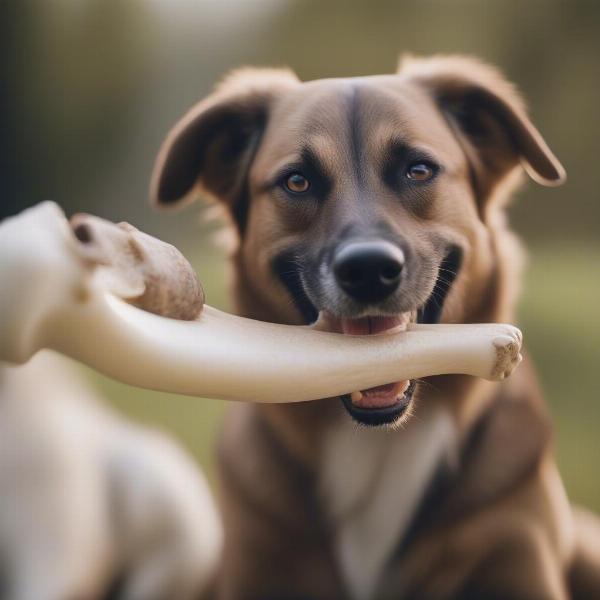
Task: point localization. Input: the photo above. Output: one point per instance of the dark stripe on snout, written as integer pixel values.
(354, 125)
(286, 269)
(447, 274)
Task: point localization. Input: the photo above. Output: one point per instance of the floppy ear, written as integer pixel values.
(489, 118)
(211, 147)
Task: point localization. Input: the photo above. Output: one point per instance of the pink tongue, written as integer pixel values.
(380, 396)
(368, 325)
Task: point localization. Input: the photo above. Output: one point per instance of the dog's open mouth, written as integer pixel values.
(383, 404)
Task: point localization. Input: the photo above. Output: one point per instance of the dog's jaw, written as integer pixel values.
(385, 404)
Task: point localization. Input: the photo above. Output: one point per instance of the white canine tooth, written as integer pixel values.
(356, 397)
(403, 387)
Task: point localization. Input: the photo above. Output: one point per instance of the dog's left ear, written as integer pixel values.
(489, 117)
(212, 146)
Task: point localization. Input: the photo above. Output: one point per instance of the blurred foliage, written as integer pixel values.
(562, 332)
(90, 87)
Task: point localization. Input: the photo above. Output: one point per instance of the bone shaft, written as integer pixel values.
(54, 295)
(272, 363)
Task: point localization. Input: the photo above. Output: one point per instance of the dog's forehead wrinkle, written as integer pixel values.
(355, 135)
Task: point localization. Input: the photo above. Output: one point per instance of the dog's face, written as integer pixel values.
(364, 203)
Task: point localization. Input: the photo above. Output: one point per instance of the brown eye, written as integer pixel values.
(297, 183)
(420, 171)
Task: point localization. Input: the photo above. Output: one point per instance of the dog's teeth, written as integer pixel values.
(356, 397)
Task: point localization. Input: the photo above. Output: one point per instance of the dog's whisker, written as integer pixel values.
(428, 384)
(448, 271)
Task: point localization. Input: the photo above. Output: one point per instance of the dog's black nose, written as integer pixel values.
(368, 271)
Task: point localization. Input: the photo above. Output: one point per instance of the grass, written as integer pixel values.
(560, 319)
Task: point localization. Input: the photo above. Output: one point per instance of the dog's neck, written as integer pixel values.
(372, 483)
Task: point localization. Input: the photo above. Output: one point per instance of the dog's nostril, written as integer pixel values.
(391, 272)
(368, 271)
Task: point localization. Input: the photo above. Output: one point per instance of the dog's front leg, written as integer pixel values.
(518, 563)
(526, 542)
(519, 570)
(276, 541)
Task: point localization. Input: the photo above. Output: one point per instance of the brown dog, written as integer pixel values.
(369, 202)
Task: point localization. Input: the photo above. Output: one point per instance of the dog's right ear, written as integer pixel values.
(488, 116)
(211, 147)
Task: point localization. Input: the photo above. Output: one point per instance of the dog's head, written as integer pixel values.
(364, 202)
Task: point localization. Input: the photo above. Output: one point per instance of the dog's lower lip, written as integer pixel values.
(384, 403)
(380, 416)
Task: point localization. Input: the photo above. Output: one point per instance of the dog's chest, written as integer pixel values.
(372, 482)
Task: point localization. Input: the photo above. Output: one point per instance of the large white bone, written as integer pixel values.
(56, 294)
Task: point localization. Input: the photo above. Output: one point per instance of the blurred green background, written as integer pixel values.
(90, 87)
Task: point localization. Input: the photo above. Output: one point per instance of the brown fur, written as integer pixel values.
(495, 523)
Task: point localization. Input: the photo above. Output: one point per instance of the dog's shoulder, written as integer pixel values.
(502, 450)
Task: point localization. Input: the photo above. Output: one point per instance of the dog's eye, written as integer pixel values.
(420, 171)
(296, 183)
